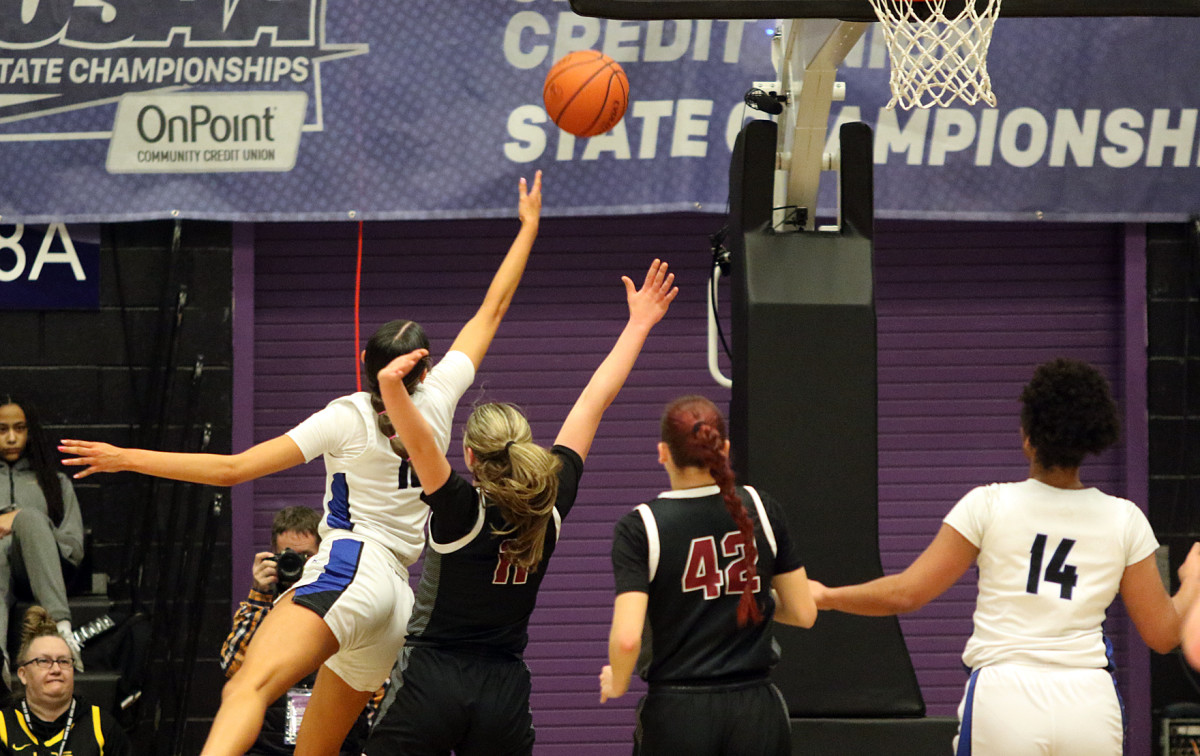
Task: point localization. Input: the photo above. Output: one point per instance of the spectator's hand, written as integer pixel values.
(264, 571)
(6, 522)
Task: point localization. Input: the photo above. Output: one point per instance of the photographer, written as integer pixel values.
(293, 534)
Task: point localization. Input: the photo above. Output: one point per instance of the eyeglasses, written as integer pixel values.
(42, 663)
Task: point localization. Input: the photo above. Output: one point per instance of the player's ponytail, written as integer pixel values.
(694, 431)
(392, 340)
(516, 475)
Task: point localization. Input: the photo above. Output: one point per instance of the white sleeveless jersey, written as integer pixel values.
(1050, 562)
(370, 491)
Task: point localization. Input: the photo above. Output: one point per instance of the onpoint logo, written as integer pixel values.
(58, 56)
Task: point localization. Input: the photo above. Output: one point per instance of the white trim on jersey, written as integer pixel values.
(690, 493)
(768, 531)
(557, 524)
(652, 541)
(446, 548)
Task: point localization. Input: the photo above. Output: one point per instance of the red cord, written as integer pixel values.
(357, 302)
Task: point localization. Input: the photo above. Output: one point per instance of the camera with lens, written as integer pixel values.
(289, 566)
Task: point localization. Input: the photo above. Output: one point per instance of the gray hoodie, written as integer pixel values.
(19, 488)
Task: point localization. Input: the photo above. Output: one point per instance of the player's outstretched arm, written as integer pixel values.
(476, 335)
(647, 306)
(940, 566)
(1159, 618)
(279, 453)
(624, 643)
(794, 604)
(412, 428)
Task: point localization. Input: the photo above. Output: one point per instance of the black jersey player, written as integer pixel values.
(461, 683)
(695, 565)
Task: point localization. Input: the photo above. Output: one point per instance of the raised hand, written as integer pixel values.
(529, 204)
(648, 304)
(393, 373)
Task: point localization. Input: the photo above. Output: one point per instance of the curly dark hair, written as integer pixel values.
(1068, 413)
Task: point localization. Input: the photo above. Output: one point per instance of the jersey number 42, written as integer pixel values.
(704, 573)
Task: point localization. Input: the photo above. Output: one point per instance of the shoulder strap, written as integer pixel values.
(652, 542)
(768, 531)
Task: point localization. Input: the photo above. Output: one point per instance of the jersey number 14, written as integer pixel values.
(1057, 571)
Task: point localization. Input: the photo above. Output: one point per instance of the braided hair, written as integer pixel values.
(694, 431)
(392, 340)
(1067, 413)
(516, 475)
(42, 459)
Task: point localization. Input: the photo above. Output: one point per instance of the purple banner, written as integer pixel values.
(302, 110)
(50, 268)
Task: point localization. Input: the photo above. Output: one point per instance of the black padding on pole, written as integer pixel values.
(803, 427)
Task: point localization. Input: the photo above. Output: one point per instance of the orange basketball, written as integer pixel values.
(586, 93)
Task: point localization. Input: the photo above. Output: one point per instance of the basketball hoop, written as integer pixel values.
(937, 59)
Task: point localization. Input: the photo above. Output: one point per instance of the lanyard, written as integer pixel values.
(62, 747)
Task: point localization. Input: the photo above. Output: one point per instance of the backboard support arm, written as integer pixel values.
(806, 53)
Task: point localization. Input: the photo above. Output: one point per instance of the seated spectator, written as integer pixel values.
(41, 531)
(293, 528)
(49, 712)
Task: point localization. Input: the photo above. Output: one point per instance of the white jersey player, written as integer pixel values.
(348, 612)
(1052, 555)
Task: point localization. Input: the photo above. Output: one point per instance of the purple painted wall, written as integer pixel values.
(569, 310)
(965, 312)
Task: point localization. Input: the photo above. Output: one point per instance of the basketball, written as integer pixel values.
(586, 93)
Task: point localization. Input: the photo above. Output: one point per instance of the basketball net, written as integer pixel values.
(937, 59)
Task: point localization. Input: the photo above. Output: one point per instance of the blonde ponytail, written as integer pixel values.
(516, 475)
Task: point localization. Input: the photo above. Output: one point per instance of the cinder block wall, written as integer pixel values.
(96, 375)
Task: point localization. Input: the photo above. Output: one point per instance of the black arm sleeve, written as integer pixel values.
(631, 555)
(568, 478)
(455, 509)
(787, 557)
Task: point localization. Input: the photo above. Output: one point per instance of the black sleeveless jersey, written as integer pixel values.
(684, 551)
(93, 732)
(469, 596)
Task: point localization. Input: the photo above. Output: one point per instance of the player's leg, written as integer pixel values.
(997, 698)
(671, 723)
(1088, 717)
(757, 721)
(291, 642)
(426, 716)
(331, 713)
(501, 721)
